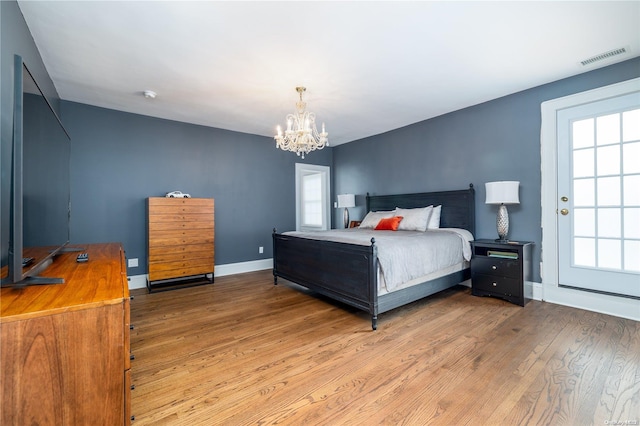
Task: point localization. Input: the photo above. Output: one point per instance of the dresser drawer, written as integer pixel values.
(127, 333)
(174, 238)
(495, 266)
(497, 284)
(173, 204)
(159, 254)
(180, 269)
(185, 221)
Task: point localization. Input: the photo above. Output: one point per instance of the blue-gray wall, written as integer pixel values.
(496, 140)
(119, 159)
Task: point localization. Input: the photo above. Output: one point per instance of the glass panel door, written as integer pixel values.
(599, 190)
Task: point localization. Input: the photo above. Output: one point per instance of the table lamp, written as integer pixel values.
(345, 201)
(502, 193)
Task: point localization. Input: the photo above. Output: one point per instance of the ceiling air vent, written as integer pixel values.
(603, 56)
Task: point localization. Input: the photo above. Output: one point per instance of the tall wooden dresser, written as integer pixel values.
(180, 250)
(65, 347)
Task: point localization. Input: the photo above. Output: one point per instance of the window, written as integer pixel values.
(312, 197)
(606, 178)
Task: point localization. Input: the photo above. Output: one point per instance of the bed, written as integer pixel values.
(351, 273)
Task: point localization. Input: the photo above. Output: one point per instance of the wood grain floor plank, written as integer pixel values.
(530, 354)
(245, 352)
(620, 399)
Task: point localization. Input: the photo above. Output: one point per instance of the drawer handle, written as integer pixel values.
(494, 267)
(495, 285)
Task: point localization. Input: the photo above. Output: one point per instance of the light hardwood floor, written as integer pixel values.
(243, 351)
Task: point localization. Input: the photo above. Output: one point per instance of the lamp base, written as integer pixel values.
(502, 223)
(346, 218)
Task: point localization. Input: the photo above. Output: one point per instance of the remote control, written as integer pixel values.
(82, 257)
(27, 261)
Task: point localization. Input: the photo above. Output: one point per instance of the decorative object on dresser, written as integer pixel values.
(65, 347)
(345, 201)
(501, 270)
(502, 193)
(301, 135)
(180, 245)
(177, 194)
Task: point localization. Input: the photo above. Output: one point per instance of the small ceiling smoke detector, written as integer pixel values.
(149, 94)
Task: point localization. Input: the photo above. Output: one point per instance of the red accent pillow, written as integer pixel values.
(390, 224)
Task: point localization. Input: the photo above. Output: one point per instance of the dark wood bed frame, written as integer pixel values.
(348, 272)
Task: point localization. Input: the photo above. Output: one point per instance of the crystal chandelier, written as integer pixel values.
(301, 135)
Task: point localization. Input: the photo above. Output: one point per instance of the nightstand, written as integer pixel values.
(500, 269)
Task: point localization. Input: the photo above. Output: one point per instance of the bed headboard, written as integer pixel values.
(458, 207)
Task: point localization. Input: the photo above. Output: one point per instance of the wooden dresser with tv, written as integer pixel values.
(180, 242)
(65, 347)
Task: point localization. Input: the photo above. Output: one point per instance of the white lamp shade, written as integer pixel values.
(346, 200)
(503, 192)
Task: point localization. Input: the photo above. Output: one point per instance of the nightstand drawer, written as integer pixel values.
(496, 266)
(497, 285)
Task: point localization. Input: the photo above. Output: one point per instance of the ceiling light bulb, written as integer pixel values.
(149, 94)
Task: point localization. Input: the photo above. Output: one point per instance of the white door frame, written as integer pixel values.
(551, 292)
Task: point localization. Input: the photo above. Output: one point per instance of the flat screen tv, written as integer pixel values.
(39, 191)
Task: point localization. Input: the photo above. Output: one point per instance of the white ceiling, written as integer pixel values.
(369, 67)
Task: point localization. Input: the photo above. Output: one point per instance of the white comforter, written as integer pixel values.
(405, 255)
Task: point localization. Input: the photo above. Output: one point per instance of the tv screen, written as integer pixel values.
(46, 153)
(40, 190)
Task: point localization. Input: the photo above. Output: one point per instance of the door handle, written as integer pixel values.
(564, 212)
(565, 199)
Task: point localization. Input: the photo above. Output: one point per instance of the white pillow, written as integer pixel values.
(414, 219)
(434, 220)
(372, 218)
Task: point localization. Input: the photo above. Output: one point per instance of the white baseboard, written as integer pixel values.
(603, 303)
(589, 301)
(241, 267)
(536, 291)
(137, 281)
(140, 281)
